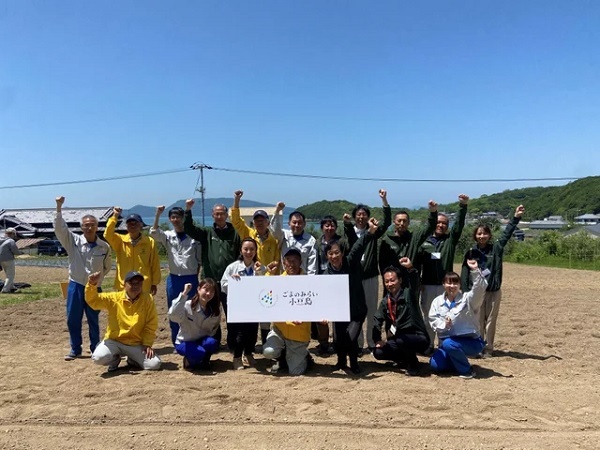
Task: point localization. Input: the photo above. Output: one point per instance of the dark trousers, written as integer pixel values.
(320, 332)
(403, 348)
(347, 341)
(242, 337)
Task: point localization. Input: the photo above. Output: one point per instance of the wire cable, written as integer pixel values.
(96, 180)
(397, 180)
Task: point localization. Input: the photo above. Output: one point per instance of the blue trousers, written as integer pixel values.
(175, 284)
(76, 306)
(452, 354)
(198, 351)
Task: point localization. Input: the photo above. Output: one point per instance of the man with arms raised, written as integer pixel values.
(296, 237)
(361, 215)
(184, 255)
(87, 255)
(437, 259)
(135, 251)
(401, 242)
(220, 247)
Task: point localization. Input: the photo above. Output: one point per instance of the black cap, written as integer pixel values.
(135, 217)
(260, 213)
(292, 251)
(133, 274)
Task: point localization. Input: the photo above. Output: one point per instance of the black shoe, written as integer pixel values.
(341, 363)
(412, 370)
(355, 369)
(310, 362)
(428, 352)
(205, 365)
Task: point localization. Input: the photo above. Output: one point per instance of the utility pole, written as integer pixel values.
(201, 189)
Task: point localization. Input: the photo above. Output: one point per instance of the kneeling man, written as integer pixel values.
(287, 342)
(401, 314)
(132, 323)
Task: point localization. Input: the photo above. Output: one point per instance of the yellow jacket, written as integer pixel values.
(129, 323)
(268, 249)
(290, 330)
(142, 258)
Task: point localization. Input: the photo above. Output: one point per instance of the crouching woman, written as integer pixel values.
(454, 316)
(198, 320)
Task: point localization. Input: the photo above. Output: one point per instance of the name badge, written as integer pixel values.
(485, 272)
(393, 329)
(436, 255)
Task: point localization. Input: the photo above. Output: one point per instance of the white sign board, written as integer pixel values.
(305, 298)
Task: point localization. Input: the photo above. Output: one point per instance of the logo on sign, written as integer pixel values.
(267, 298)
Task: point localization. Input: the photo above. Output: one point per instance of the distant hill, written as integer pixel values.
(575, 198)
(571, 200)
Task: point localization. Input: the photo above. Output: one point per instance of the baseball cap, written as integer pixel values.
(135, 217)
(260, 213)
(133, 274)
(292, 251)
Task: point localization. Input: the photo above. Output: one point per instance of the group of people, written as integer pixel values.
(423, 297)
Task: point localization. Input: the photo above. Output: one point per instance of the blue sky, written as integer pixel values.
(386, 89)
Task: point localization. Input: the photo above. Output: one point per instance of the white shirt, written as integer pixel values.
(85, 257)
(185, 256)
(307, 245)
(464, 311)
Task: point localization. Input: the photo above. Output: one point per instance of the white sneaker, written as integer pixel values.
(467, 376)
(275, 367)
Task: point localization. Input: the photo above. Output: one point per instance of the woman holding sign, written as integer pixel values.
(338, 264)
(244, 334)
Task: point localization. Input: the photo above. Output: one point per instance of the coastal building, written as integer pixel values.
(38, 223)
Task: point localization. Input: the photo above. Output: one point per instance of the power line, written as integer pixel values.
(395, 180)
(291, 175)
(95, 180)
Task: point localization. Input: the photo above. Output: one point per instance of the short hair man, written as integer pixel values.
(135, 251)
(87, 255)
(132, 323)
(8, 251)
(289, 340)
(437, 258)
(220, 247)
(399, 312)
(184, 255)
(370, 279)
(401, 242)
(296, 237)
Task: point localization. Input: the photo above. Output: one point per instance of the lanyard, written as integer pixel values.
(391, 311)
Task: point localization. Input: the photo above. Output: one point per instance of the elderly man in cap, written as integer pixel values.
(135, 251)
(268, 246)
(185, 258)
(87, 255)
(131, 324)
(8, 251)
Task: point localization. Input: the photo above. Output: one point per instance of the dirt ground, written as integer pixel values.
(540, 391)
